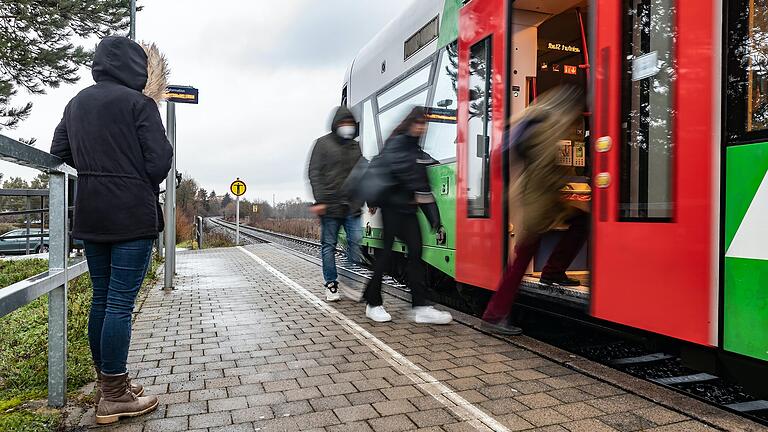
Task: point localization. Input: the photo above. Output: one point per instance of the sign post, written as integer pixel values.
(173, 95)
(238, 189)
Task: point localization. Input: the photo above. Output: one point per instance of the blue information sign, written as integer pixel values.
(181, 94)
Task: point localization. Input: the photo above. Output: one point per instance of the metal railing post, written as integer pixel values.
(28, 223)
(57, 298)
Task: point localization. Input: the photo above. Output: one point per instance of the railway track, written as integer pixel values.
(625, 352)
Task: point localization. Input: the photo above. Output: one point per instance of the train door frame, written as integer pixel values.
(487, 232)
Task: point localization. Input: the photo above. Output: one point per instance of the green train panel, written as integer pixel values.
(746, 258)
(440, 255)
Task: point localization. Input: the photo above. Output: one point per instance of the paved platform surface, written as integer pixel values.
(246, 343)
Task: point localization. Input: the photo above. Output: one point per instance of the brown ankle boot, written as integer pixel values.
(118, 401)
(136, 389)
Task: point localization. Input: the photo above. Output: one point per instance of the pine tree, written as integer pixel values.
(36, 48)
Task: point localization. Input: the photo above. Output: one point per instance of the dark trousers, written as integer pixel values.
(117, 271)
(566, 250)
(406, 227)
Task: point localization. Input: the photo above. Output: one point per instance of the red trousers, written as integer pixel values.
(566, 250)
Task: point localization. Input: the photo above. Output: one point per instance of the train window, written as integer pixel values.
(389, 119)
(370, 143)
(440, 141)
(649, 77)
(479, 128)
(748, 70)
(414, 81)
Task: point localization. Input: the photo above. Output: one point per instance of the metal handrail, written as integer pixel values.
(53, 282)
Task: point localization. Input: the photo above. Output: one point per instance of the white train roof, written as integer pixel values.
(365, 77)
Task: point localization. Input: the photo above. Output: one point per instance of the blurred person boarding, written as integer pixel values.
(534, 138)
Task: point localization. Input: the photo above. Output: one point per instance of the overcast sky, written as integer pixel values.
(269, 73)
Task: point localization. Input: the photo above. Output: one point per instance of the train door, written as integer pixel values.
(549, 49)
(480, 224)
(656, 147)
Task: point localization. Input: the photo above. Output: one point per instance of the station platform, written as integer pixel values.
(246, 342)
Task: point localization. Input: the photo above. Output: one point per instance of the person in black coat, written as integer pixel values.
(113, 135)
(407, 166)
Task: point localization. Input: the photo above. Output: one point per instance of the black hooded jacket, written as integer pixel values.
(332, 160)
(113, 135)
(408, 166)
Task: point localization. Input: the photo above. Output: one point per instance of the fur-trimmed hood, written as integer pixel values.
(141, 67)
(157, 72)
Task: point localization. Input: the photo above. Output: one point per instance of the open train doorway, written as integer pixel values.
(549, 48)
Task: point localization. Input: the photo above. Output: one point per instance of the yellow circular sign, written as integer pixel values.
(603, 180)
(603, 144)
(238, 187)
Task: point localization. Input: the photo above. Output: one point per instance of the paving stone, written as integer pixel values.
(515, 422)
(350, 427)
(390, 408)
(627, 422)
(433, 417)
(208, 394)
(265, 399)
(619, 403)
(329, 403)
(686, 426)
(243, 427)
(291, 408)
(588, 425)
(302, 394)
(570, 395)
(578, 410)
(318, 419)
(659, 415)
(356, 413)
(394, 423)
(543, 417)
(538, 400)
(503, 406)
(210, 420)
(228, 404)
(167, 425)
(186, 409)
(251, 414)
(366, 397)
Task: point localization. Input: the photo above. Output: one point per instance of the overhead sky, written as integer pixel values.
(269, 73)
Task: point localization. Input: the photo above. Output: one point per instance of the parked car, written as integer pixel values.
(12, 243)
(15, 242)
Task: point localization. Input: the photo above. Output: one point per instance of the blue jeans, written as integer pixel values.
(329, 234)
(117, 271)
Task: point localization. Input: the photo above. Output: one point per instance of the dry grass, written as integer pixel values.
(305, 228)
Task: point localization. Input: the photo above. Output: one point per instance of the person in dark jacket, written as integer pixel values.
(333, 158)
(113, 135)
(407, 166)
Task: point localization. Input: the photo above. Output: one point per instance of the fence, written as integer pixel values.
(53, 282)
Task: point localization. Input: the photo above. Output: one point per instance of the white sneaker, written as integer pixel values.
(430, 315)
(332, 292)
(377, 313)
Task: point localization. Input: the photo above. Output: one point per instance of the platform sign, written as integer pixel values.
(182, 94)
(238, 188)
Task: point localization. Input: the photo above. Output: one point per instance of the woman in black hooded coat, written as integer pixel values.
(406, 162)
(112, 134)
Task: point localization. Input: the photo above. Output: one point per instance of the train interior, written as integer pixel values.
(550, 48)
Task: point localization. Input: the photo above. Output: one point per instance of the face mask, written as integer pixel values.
(346, 132)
